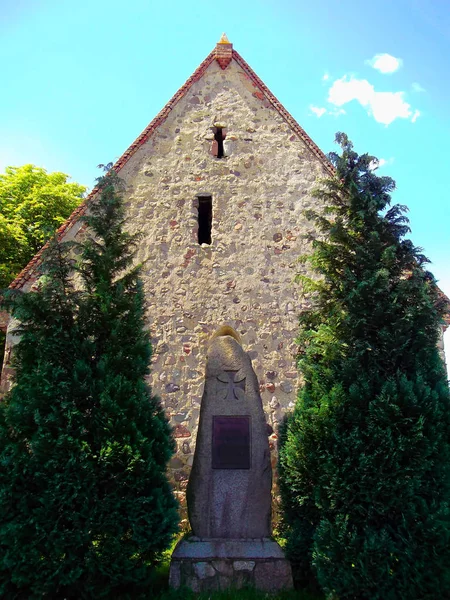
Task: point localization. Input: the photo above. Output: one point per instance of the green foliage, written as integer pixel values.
(33, 203)
(85, 505)
(243, 594)
(365, 458)
(232, 594)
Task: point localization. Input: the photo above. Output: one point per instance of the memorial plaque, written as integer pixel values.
(228, 493)
(231, 443)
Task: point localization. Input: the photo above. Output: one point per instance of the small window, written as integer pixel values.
(204, 219)
(217, 145)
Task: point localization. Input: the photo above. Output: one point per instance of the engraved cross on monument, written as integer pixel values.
(229, 489)
(235, 384)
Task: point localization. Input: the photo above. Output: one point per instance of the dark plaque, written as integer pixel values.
(231, 443)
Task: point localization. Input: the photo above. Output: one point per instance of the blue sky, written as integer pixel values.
(80, 80)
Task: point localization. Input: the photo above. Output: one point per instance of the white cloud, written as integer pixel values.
(343, 91)
(417, 87)
(415, 116)
(385, 63)
(385, 107)
(336, 112)
(325, 76)
(319, 112)
(388, 106)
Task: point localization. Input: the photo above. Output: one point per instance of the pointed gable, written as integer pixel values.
(222, 231)
(223, 55)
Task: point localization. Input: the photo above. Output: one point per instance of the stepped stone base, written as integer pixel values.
(218, 564)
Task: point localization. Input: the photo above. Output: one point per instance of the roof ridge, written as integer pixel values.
(26, 273)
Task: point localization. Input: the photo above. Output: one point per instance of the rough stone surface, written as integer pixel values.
(272, 576)
(210, 549)
(243, 565)
(203, 565)
(230, 503)
(203, 570)
(263, 185)
(4, 320)
(260, 190)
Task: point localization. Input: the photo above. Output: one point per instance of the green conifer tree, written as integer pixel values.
(85, 505)
(365, 457)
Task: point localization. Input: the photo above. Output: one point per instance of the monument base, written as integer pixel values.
(219, 564)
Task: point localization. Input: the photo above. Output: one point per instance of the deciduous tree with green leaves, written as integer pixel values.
(365, 457)
(33, 203)
(85, 504)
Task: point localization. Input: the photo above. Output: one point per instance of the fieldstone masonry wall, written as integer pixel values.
(245, 278)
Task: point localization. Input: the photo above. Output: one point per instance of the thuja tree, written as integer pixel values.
(365, 462)
(85, 505)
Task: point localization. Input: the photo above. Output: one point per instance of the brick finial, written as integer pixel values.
(224, 52)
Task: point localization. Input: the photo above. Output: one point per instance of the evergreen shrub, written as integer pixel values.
(85, 504)
(365, 457)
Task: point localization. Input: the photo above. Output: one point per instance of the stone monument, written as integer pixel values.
(229, 490)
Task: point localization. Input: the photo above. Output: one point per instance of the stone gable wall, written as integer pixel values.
(246, 277)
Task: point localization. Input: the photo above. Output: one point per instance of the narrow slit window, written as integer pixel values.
(218, 136)
(217, 146)
(204, 219)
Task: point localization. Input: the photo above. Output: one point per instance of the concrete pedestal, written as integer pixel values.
(218, 564)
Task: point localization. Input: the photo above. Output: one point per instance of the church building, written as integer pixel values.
(217, 186)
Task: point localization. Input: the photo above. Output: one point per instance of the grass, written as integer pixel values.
(163, 592)
(245, 594)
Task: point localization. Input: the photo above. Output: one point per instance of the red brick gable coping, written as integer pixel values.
(223, 54)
